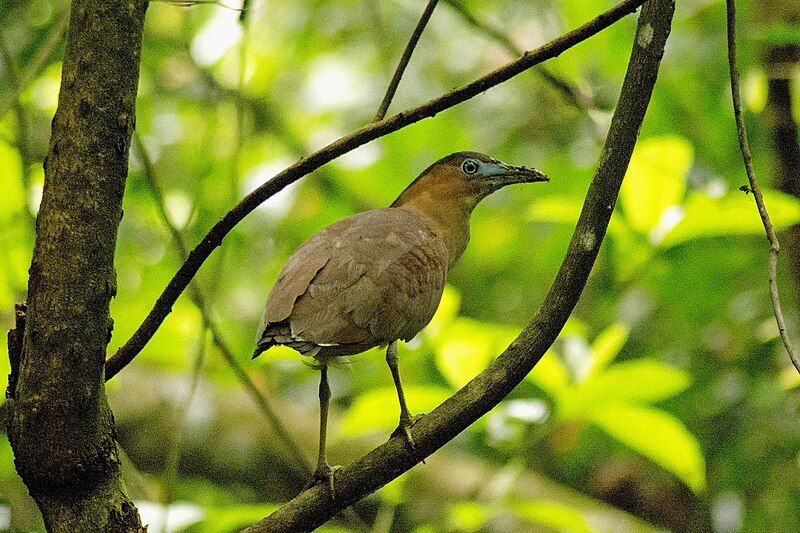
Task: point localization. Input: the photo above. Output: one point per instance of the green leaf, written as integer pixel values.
(379, 409)
(606, 347)
(553, 515)
(732, 214)
(445, 313)
(468, 516)
(656, 180)
(394, 491)
(550, 375)
(560, 209)
(634, 382)
(467, 346)
(659, 436)
(782, 34)
(231, 518)
(10, 182)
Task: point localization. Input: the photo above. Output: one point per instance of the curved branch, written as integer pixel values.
(213, 238)
(774, 246)
(314, 506)
(401, 67)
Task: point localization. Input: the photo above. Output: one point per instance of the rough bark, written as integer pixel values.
(59, 422)
(314, 506)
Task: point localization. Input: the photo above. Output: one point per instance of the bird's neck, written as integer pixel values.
(448, 218)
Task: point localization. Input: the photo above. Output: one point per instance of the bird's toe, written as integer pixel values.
(404, 429)
(327, 475)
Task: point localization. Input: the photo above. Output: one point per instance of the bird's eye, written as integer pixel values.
(469, 166)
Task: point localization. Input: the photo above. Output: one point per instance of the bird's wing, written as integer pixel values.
(381, 279)
(298, 271)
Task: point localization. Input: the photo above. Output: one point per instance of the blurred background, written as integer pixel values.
(667, 403)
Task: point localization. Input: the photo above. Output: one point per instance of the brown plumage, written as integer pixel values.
(377, 277)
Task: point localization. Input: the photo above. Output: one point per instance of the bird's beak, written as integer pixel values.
(499, 175)
(522, 174)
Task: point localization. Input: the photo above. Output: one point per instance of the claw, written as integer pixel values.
(325, 474)
(404, 429)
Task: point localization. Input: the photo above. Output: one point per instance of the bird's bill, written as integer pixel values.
(500, 175)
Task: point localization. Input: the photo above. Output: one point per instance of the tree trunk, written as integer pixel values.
(59, 422)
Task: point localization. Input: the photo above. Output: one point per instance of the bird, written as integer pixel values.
(376, 277)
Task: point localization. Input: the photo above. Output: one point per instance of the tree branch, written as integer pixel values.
(406, 57)
(214, 237)
(774, 246)
(60, 425)
(314, 506)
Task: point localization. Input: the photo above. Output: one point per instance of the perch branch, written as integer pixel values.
(214, 237)
(314, 506)
(401, 67)
(774, 246)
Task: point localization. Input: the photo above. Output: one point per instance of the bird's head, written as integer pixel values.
(465, 177)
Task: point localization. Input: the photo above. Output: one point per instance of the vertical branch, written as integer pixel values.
(774, 246)
(60, 425)
(401, 67)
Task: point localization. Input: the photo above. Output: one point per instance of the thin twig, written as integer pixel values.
(179, 425)
(401, 67)
(762, 210)
(213, 238)
(37, 63)
(569, 91)
(774, 246)
(198, 299)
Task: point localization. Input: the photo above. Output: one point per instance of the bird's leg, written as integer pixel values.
(406, 420)
(324, 471)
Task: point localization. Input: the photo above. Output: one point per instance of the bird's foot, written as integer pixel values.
(404, 429)
(324, 474)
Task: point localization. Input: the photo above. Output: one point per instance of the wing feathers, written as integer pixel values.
(366, 280)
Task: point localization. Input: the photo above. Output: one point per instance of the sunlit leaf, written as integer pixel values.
(467, 346)
(379, 409)
(231, 518)
(6, 459)
(659, 436)
(632, 382)
(554, 515)
(561, 209)
(10, 182)
(606, 347)
(468, 516)
(446, 312)
(394, 491)
(732, 214)
(782, 34)
(656, 179)
(550, 375)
